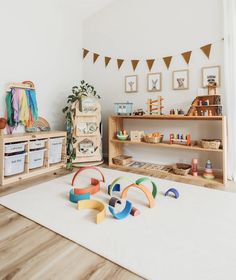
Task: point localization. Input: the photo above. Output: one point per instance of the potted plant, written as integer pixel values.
(78, 92)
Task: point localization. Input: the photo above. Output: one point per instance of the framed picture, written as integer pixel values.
(211, 76)
(154, 82)
(131, 83)
(180, 79)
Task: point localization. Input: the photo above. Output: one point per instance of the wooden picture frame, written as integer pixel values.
(180, 79)
(211, 76)
(154, 82)
(131, 83)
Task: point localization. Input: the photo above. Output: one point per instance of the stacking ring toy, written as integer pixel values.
(94, 204)
(95, 183)
(173, 191)
(75, 198)
(146, 179)
(143, 189)
(114, 186)
(124, 213)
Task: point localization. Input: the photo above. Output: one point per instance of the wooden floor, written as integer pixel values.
(29, 251)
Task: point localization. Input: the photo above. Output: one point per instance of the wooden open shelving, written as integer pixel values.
(116, 123)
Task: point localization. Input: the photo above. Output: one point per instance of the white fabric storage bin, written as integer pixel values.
(15, 147)
(36, 158)
(37, 144)
(14, 164)
(55, 149)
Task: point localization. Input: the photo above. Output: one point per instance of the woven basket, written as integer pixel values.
(211, 144)
(181, 169)
(153, 140)
(122, 160)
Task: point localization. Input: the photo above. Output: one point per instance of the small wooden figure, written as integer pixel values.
(194, 167)
(208, 174)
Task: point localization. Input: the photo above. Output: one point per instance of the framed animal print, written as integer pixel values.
(154, 81)
(211, 76)
(131, 83)
(180, 79)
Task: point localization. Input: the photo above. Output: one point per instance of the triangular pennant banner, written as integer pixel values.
(167, 61)
(207, 50)
(119, 62)
(150, 63)
(135, 63)
(186, 56)
(95, 57)
(107, 60)
(85, 52)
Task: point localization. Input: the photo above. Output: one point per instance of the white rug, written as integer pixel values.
(190, 238)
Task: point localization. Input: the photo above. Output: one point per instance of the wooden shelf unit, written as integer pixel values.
(116, 123)
(27, 137)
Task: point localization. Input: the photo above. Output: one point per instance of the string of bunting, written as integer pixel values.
(206, 49)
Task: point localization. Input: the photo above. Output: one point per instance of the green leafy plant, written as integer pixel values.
(78, 92)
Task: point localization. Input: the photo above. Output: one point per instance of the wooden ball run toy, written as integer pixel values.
(154, 107)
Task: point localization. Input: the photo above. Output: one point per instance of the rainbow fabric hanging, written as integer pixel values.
(21, 107)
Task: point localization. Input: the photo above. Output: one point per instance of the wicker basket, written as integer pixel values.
(152, 139)
(181, 169)
(211, 144)
(122, 160)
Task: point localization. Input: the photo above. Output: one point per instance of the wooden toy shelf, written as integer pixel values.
(27, 137)
(116, 123)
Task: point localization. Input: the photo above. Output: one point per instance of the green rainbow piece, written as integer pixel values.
(146, 179)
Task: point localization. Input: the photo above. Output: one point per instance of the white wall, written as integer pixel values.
(146, 29)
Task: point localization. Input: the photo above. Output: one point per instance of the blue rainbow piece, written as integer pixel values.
(116, 188)
(77, 197)
(124, 213)
(174, 191)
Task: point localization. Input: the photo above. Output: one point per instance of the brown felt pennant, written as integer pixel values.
(186, 56)
(85, 52)
(206, 50)
(150, 63)
(135, 63)
(167, 61)
(119, 62)
(107, 60)
(95, 57)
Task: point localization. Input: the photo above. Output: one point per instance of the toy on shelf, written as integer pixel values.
(122, 135)
(181, 169)
(124, 109)
(155, 137)
(211, 89)
(194, 167)
(122, 160)
(94, 204)
(206, 105)
(213, 144)
(139, 112)
(172, 191)
(136, 136)
(177, 112)
(155, 106)
(183, 139)
(208, 173)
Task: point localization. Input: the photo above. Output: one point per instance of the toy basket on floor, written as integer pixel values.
(211, 144)
(122, 160)
(181, 169)
(153, 139)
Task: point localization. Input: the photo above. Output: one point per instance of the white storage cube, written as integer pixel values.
(37, 144)
(14, 164)
(15, 147)
(36, 158)
(55, 149)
